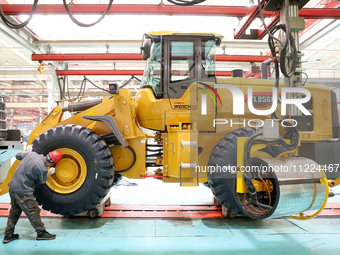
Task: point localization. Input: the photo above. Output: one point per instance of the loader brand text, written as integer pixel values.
(238, 100)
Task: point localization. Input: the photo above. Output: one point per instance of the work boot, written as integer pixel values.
(45, 236)
(8, 239)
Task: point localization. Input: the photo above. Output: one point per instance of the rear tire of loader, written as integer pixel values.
(223, 184)
(92, 170)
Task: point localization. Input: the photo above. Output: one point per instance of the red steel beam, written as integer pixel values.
(117, 72)
(207, 10)
(273, 21)
(328, 10)
(246, 21)
(234, 11)
(320, 13)
(133, 56)
(85, 57)
(310, 23)
(241, 58)
(99, 72)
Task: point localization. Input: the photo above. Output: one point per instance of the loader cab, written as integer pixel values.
(175, 61)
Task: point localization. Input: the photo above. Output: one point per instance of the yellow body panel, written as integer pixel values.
(171, 116)
(120, 108)
(158, 114)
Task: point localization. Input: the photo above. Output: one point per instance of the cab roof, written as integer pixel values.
(154, 34)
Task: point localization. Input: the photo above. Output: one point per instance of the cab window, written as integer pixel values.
(182, 61)
(152, 73)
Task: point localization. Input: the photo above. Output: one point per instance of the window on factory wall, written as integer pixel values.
(182, 65)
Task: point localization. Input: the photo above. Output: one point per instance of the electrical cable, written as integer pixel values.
(304, 83)
(83, 24)
(67, 87)
(23, 24)
(265, 26)
(85, 78)
(83, 84)
(129, 80)
(289, 42)
(186, 2)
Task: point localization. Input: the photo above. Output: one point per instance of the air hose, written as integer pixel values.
(18, 26)
(83, 24)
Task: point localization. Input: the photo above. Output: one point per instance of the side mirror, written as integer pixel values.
(146, 48)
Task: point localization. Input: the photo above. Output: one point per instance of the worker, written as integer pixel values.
(30, 173)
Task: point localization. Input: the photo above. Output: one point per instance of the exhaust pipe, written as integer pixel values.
(81, 106)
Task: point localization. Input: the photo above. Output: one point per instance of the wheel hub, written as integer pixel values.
(67, 170)
(70, 172)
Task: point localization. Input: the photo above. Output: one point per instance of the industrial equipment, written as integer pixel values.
(227, 132)
(10, 143)
(195, 133)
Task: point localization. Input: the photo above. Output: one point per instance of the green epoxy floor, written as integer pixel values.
(160, 236)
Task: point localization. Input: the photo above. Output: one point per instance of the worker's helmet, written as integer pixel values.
(55, 156)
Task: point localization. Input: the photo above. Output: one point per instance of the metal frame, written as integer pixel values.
(133, 56)
(206, 10)
(117, 72)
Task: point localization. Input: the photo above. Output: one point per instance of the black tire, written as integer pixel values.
(99, 163)
(223, 184)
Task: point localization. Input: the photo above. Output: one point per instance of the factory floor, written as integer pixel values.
(175, 236)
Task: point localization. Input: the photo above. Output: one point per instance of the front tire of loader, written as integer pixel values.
(223, 184)
(84, 175)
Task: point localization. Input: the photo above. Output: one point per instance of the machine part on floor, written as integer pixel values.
(299, 187)
(97, 210)
(225, 154)
(84, 175)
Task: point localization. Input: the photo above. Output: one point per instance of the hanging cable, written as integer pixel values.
(186, 2)
(86, 79)
(82, 87)
(286, 47)
(23, 24)
(129, 80)
(83, 24)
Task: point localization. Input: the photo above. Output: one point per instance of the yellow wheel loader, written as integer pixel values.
(249, 139)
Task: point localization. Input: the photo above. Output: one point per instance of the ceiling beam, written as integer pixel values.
(274, 19)
(99, 72)
(244, 44)
(323, 10)
(247, 20)
(233, 11)
(206, 10)
(117, 72)
(132, 56)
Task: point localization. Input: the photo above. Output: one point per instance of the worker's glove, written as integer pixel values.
(51, 170)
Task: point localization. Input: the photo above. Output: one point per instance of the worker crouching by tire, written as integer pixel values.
(31, 172)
